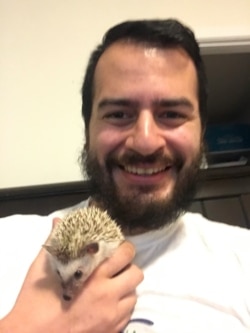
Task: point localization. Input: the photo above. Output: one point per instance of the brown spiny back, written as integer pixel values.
(80, 228)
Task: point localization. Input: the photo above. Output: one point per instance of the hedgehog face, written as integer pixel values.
(72, 275)
(73, 272)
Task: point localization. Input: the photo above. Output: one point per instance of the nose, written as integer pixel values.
(66, 297)
(146, 135)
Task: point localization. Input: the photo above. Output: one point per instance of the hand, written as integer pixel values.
(104, 304)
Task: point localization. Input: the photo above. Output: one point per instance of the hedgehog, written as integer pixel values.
(79, 243)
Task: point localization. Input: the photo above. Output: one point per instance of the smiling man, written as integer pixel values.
(144, 142)
(144, 106)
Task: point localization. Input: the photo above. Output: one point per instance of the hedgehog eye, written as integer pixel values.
(57, 271)
(78, 274)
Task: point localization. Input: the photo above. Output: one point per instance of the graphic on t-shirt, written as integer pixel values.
(140, 325)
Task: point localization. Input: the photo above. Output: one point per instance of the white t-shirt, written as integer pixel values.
(196, 273)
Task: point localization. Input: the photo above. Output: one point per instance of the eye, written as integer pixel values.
(172, 118)
(172, 115)
(58, 273)
(78, 274)
(119, 117)
(116, 115)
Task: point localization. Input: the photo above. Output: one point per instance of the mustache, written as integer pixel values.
(134, 158)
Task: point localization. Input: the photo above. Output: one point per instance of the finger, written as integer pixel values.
(122, 257)
(41, 260)
(38, 268)
(125, 310)
(55, 221)
(128, 280)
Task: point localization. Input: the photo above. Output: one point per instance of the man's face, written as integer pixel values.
(144, 143)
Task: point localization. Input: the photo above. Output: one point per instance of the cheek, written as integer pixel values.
(104, 141)
(187, 143)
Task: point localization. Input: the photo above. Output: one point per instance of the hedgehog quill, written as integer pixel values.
(79, 243)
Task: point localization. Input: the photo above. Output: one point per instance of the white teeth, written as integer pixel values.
(143, 171)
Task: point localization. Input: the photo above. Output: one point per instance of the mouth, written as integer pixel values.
(144, 171)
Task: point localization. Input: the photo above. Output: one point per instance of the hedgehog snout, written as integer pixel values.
(66, 297)
(67, 292)
(69, 287)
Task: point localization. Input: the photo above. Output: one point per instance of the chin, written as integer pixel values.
(150, 192)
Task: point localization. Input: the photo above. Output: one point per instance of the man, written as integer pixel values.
(144, 107)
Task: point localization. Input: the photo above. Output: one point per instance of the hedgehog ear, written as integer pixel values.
(50, 249)
(92, 248)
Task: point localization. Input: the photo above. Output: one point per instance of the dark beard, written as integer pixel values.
(139, 213)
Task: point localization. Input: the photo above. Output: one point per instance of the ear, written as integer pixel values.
(50, 249)
(92, 248)
(55, 220)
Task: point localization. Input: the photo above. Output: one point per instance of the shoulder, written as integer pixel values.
(17, 222)
(201, 223)
(217, 235)
(29, 228)
(17, 230)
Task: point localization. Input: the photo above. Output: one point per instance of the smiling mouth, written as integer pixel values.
(144, 171)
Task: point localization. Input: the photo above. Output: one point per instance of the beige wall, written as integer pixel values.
(44, 46)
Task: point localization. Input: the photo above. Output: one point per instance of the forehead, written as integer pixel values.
(123, 48)
(68, 270)
(139, 65)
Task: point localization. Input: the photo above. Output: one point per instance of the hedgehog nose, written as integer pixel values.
(66, 297)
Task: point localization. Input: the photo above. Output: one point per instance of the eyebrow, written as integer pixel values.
(174, 102)
(171, 102)
(116, 102)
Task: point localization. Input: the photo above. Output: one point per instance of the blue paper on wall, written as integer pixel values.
(227, 145)
(228, 137)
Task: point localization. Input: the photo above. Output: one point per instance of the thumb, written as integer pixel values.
(40, 267)
(55, 221)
